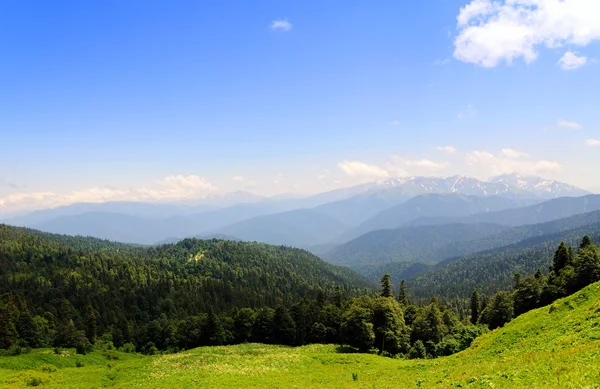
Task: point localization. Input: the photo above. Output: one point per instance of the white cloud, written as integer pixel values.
(513, 154)
(493, 31)
(182, 183)
(592, 142)
(362, 170)
(447, 149)
(426, 164)
(281, 24)
(467, 113)
(244, 181)
(170, 188)
(568, 124)
(441, 62)
(509, 162)
(394, 122)
(571, 61)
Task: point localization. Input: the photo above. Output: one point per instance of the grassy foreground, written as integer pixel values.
(555, 346)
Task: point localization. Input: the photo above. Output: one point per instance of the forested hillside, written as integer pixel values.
(425, 244)
(129, 292)
(491, 271)
(435, 243)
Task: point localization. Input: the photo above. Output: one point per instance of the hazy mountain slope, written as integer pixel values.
(538, 213)
(430, 205)
(431, 244)
(357, 209)
(426, 244)
(492, 270)
(131, 229)
(110, 226)
(136, 209)
(298, 228)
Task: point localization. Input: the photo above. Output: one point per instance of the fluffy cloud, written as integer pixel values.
(513, 154)
(510, 161)
(592, 142)
(447, 149)
(359, 169)
(281, 25)
(568, 124)
(571, 61)
(396, 166)
(426, 164)
(173, 187)
(492, 31)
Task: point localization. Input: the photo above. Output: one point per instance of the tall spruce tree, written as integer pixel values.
(474, 307)
(386, 286)
(585, 242)
(402, 296)
(561, 257)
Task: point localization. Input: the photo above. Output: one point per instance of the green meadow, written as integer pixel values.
(557, 346)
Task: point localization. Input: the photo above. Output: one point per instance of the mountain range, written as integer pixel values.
(306, 221)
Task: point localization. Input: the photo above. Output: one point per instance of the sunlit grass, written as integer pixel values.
(552, 347)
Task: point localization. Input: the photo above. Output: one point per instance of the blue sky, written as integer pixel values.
(156, 100)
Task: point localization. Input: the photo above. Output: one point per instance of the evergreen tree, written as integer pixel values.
(26, 328)
(262, 330)
(500, 310)
(90, 324)
(8, 315)
(386, 286)
(418, 351)
(474, 307)
(243, 322)
(391, 334)
(357, 328)
(213, 331)
(402, 295)
(561, 257)
(284, 328)
(585, 242)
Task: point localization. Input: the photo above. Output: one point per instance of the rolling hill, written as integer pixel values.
(493, 270)
(434, 243)
(552, 346)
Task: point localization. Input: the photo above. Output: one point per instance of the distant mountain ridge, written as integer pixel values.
(433, 205)
(344, 213)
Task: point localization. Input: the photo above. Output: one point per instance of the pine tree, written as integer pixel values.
(90, 324)
(402, 296)
(8, 315)
(213, 331)
(474, 307)
(585, 242)
(26, 328)
(386, 286)
(284, 328)
(561, 257)
(538, 275)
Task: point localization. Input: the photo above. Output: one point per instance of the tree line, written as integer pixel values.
(202, 293)
(571, 270)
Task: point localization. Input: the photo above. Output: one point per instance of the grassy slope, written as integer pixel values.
(556, 346)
